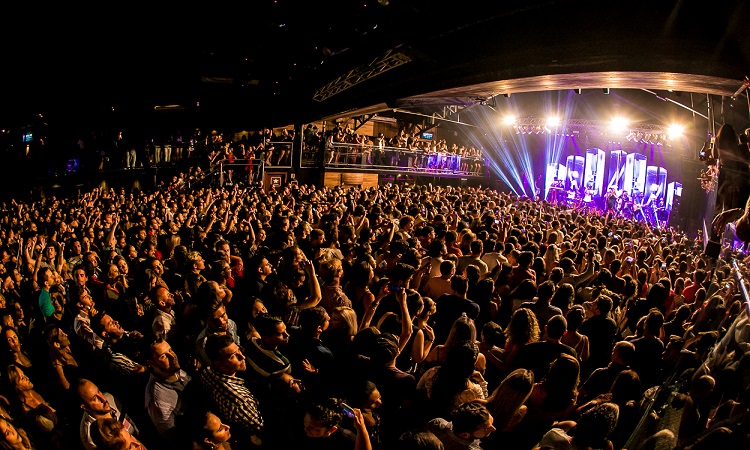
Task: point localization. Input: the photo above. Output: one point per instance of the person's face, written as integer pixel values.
(93, 260)
(157, 268)
(166, 297)
(113, 272)
(111, 326)
(231, 360)
(219, 431)
(87, 301)
(93, 399)
(58, 301)
(258, 309)
(337, 321)
(13, 343)
(164, 359)
(219, 319)
(62, 338)
(23, 382)
(122, 266)
(220, 292)
(280, 336)
(373, 401)
(266, 267)
(10, 434)
(484, 430)
(226, 270)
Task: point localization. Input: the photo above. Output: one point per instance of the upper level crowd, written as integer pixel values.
(408, 317)
(338, 146)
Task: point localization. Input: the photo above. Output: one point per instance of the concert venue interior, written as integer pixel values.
(590, 107)
(227, 121)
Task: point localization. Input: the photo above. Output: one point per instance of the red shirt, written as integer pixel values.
(689, 292)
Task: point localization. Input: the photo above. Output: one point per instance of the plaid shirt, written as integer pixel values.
(234, 402)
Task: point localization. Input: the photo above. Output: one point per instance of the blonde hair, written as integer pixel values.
(350, 317)
(328, 269)
(508, 398)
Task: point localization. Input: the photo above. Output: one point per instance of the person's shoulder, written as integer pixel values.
(529, 305)
(565, 348)
(438, 424)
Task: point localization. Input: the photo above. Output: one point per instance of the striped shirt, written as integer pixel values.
(119, 363)
(233, 401)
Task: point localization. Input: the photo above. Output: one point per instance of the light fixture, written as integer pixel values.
(578, 91)
(605, 90)
(553, 121)
(509, 120)
(618, 124)
(675, 131)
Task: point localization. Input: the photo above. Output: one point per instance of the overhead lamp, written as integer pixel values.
(618, 124)
(605, 90)
(675, 131)
(578, 91)
(553, 121)
(509, 120)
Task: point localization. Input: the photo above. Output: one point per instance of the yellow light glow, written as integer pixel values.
(618, 124)
(675, 130)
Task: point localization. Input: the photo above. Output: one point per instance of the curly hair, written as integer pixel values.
(523, 327)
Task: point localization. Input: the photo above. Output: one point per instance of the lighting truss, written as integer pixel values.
(649, 133)
(390, 60)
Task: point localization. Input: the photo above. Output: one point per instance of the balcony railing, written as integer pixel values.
(371, 158)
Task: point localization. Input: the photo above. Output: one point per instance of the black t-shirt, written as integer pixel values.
(647, 361)
(600, 381)
(601, 331)
(537, 356)
(341, 439)
(449, 307)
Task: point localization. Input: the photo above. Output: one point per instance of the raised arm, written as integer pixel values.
(313, 284)
(370, 311)
(406, 324)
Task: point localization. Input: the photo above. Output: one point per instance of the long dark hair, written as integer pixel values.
(452, 377)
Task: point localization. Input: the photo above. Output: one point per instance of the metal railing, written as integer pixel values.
(245, 171)
(373, 158)
(279, 154)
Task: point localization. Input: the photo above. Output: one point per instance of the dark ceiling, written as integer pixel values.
(263, 63)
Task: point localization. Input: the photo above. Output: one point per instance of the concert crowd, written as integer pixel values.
(398, 316)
